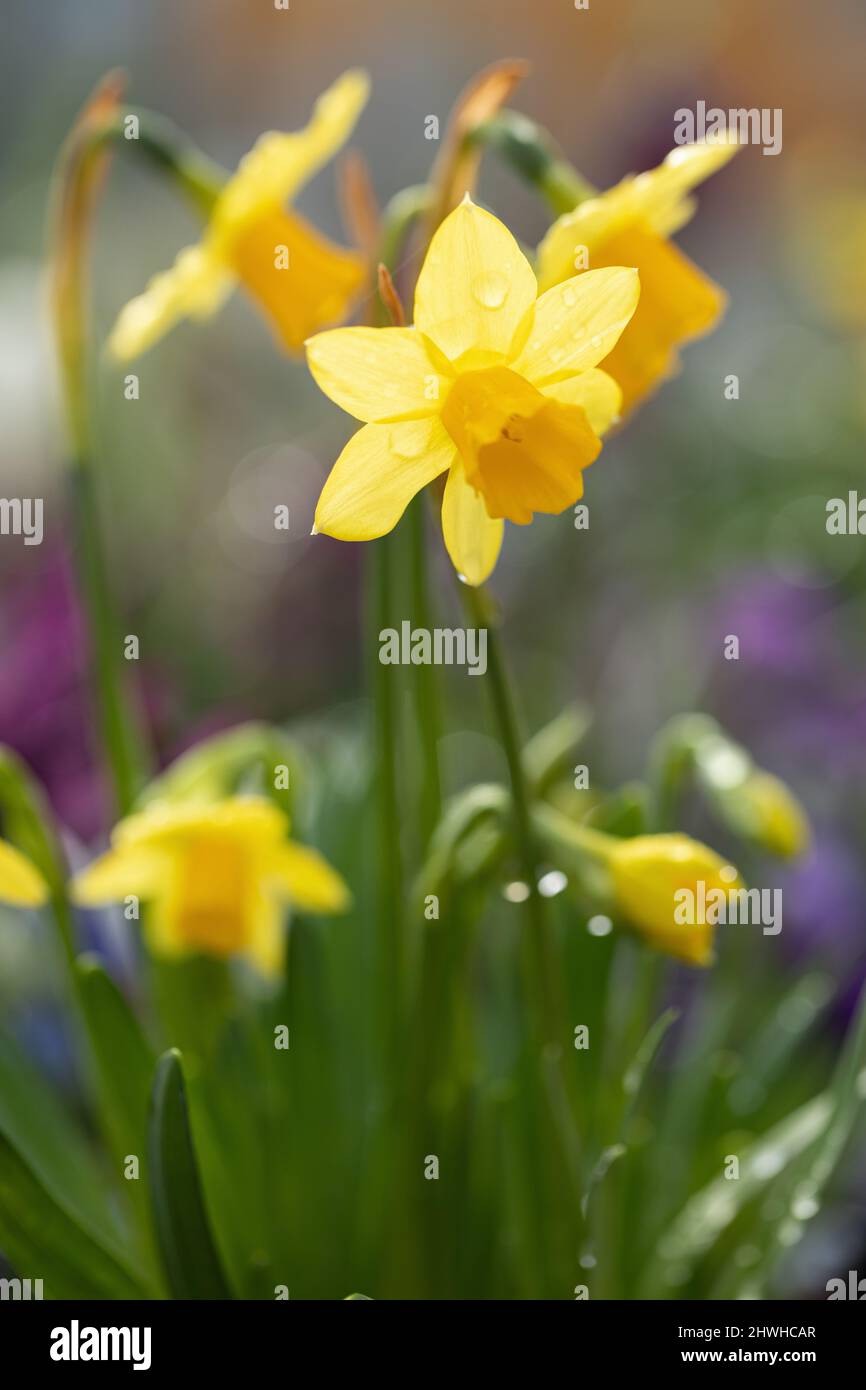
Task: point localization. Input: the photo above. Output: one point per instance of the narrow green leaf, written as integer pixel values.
(711, 1210)
(34, 1122)
(189, 1253)
(123, 1063)
(42, 1241)
(122, 1057)
(549, 753)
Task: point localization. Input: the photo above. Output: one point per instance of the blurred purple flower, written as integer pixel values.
(43, 694)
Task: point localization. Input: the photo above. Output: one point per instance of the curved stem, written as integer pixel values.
(77, 190)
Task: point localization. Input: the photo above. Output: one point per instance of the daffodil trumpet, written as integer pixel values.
(493, 386)
(300, 279)
(216, 878)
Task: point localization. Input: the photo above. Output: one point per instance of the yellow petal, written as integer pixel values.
(377, 475)
(196, 286)
(577, 323)
(677, 302)
(595, 391)
(661, 194)
(266, 934)
(306, 879)
(647, 874)
(120, 873)
(572, 244)
(472, 538)
(279, 164)
(476, 290)
(21, 883)
(655, 201)
(300, 279)
(166, 824)
(376, 374)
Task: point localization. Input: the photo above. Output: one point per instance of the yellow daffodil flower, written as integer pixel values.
(21, 883)
(649, 871)
(493, 386)
(216, 878)
(631, 224)
(765, 810)
(300, 279)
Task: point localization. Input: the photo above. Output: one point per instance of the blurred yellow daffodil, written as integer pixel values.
(301, 280)
(216, 878)
(631, 224)
(765, 810)
(21, 883)
(493, 385)
(652, 878)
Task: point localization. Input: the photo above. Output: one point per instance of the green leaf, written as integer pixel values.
(711, 1210)
(36, 1125)
(549, 753)
(189, 1253)
(485, 805)
(123, 1063)
(123, 1059)
(808, 1179)
(42, 1241)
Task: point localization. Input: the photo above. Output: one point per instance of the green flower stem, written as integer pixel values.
(391, 946)
(550, 1019)
(120, 728)
(197, 176)
(426, 682)
(535, 157)
(78, 184)
(400, 217)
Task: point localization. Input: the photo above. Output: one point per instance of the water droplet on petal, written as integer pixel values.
(569, 298)
(491, 289)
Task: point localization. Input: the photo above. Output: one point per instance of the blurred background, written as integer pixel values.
(707, 515)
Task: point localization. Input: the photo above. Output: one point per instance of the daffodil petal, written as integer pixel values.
(573, 242)
(476, 289)
(266, 925)
(655, 201)
(306, 879)
(279, 163)
(595, 391)
(376, 374)
(21, 883)
(165, 824)
(376, 476)
(472, 538)
(195, 287)
(660, 194)
(577, 324)
(134, 870)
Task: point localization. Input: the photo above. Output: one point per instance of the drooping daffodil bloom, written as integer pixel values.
(670, 889)
(300, 279)
(492, 385)
(216, 879)
(21, 883)
(631, 224)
